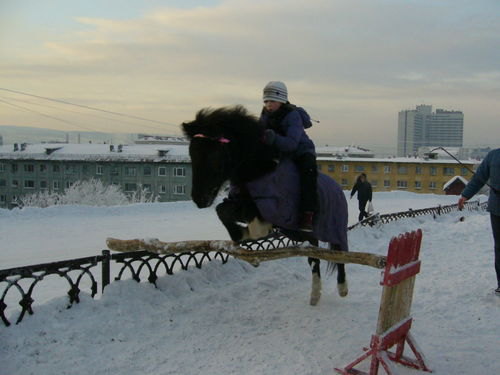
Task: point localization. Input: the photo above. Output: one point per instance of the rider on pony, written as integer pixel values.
(285, 124)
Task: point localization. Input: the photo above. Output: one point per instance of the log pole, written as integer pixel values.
(254, 257)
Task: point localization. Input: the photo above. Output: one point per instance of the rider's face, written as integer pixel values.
(271, 105)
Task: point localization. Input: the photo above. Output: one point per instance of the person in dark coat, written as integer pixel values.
(489, 169)
(364, 190)
(285, 131)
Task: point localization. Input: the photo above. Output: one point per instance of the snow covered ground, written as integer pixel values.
(236, 319)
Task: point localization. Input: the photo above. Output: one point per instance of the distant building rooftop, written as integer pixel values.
(160, 139)
(174, 153)
(96, 152)
(350, 151)
(453, 180)
(396, 160)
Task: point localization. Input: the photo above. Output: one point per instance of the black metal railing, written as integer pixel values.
(25, 279)
(140, 264)
(143, 265)
(152, 264)
(435, 211)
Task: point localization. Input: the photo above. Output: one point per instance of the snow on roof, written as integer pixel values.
(394, 160)
(96, 152)
(167, 153)
(160, 139)
(345, 150)
(452, 180)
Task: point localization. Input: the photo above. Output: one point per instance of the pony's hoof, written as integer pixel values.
(343, 289)
(314, 300)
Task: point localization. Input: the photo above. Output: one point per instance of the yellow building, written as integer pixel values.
(417, 175)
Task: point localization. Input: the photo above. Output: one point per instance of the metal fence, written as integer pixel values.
(140, 264)
(434, 211)
(81, 274)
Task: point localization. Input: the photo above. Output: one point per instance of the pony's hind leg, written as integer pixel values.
(342, 287)
(316, 281)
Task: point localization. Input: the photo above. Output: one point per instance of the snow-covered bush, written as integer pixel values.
(94, 193)
(142, 195)
(40, 199)
(90, 193)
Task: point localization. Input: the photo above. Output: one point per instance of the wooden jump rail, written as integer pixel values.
(254, 257)
(394, 320)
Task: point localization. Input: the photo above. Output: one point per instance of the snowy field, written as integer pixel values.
(236, 319)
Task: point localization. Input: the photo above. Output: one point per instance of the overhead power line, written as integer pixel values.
(45, 115)
(87, 107)
(74, 110)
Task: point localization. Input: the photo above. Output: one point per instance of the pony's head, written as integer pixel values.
(216, 142)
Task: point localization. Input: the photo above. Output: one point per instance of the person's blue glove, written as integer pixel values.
(269, 137)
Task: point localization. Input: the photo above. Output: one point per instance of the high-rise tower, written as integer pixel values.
(422, 127)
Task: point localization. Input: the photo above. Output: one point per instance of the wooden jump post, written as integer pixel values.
(394, 320)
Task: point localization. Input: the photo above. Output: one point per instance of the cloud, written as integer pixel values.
(374, 42)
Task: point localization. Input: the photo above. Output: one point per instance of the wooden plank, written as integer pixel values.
(395, 304)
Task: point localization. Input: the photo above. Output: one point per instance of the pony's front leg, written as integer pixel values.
(258, 228)
(316, 281)
(242, 219)
(229, 213)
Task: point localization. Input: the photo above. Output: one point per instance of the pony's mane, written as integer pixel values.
(226, 121)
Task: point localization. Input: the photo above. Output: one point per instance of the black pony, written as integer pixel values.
(225, 146)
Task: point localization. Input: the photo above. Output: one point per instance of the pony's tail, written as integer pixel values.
(330, 268)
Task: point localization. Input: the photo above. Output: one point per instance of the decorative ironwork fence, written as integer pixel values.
(435, 211)
(25, 279)
(140, 264)
(145, 265)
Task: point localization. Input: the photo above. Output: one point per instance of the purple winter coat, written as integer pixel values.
(291, 138)
(277, 196)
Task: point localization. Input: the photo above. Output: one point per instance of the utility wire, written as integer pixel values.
(45, 115)
(81, 113)
(87, 107)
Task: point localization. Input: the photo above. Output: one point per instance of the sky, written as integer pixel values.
(352, 64)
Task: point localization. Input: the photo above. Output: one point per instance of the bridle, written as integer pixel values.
(217, 139)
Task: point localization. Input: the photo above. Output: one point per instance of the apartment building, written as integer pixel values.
(419, 175)
(163, 170)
